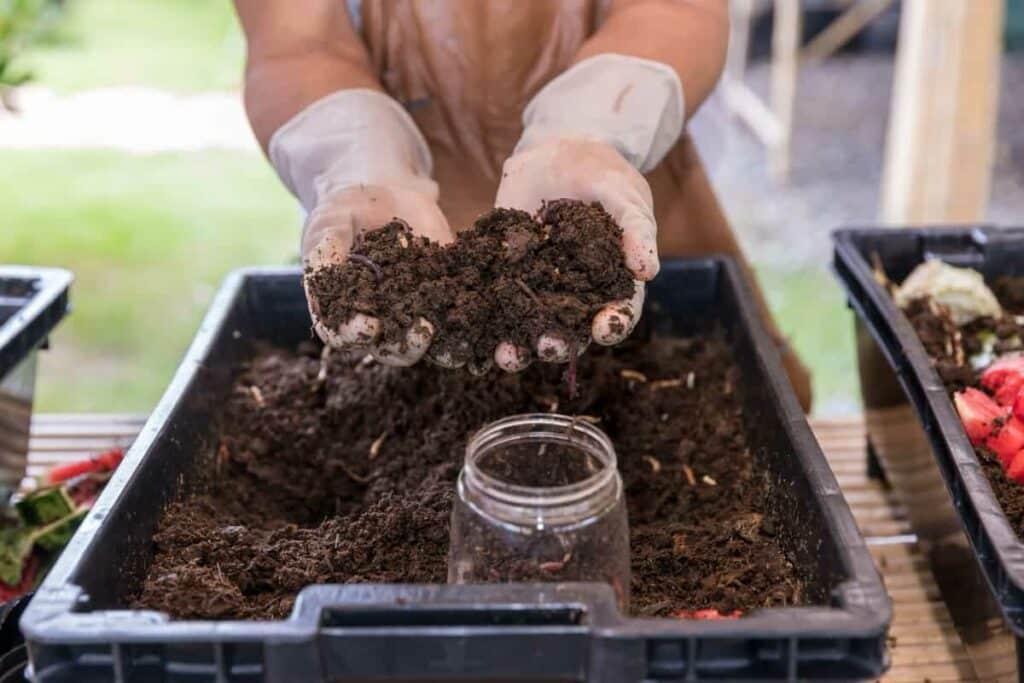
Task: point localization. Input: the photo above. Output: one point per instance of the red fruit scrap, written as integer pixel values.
(706, 614)
(1016, 469)
(104, 462)
(994, 426)
(979, 414)
(1005, 379)
(109, 461)
(1007, 440)
(1018, 406)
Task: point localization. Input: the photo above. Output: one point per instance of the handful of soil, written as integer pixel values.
(510, 277)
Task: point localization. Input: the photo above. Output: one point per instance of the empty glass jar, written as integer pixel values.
(539, 498)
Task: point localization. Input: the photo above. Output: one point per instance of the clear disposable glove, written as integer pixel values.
(589, 135)
(589, 171)
(356, 161)
(328, 237)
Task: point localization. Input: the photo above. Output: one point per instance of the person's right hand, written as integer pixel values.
(357, 161)
(331, 229)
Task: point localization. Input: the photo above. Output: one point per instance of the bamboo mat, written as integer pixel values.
(924, 644)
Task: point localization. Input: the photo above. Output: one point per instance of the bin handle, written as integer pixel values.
(442, 633)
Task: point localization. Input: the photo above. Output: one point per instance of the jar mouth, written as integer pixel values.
(540, 428)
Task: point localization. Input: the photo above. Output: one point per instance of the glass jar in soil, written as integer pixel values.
(539, 499)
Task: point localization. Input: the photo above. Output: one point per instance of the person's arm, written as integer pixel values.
(350, 153)
(691, 36)
(299, 51)
(613, 115)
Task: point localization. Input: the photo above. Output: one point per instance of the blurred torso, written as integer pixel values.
(466, 69)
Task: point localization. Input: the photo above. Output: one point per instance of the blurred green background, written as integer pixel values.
(150, 236)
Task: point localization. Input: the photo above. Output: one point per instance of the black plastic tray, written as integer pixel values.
(514, 632)
(993, 252)
(32, 302)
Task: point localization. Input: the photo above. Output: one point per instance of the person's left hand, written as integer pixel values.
(589, 171)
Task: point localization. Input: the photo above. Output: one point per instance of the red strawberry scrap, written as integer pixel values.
(979, 413)
(706, 614)
(1007, 440)
(1005, 379)
(994, 426)
(1016, 469)
(1018, 406)
(104, 462)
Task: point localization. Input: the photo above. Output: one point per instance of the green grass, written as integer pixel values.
(179, 45)
(812, 312)
(149, 239)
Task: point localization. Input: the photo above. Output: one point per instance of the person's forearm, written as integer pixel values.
(691, 36)
(299, 51)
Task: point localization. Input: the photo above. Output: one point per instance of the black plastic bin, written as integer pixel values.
(969, 507)
(32, 302)
(515, 632)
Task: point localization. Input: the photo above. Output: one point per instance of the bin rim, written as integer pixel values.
(36, 318)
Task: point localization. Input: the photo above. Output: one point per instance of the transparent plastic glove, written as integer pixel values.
(356, 160)
(588, 171)
(328, 237)
(589, 135)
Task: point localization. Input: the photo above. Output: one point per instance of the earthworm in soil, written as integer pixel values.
(570, 374)
(366, 261)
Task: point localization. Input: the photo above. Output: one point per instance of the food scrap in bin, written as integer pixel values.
(989, 364)
(43, 521)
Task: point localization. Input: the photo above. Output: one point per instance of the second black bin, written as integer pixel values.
(79, 631)
(916, 434)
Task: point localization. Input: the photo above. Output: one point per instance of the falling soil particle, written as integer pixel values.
(510, 277)
(290, 493)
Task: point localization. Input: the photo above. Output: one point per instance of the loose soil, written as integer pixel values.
(510, 277)
(335, 469)
(950, 348)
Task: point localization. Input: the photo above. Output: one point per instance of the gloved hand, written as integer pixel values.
(589, 135)
(356, 160)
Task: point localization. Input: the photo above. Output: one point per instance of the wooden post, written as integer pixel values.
(741, 16)
(785, 62)
(941, 139)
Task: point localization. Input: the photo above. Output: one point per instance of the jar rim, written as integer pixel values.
(552, 428)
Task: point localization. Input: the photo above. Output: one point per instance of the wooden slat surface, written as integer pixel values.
(924, 643)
